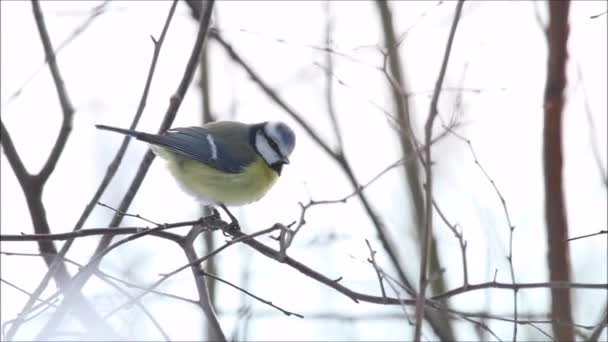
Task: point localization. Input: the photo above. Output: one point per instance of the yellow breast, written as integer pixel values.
(212, 186)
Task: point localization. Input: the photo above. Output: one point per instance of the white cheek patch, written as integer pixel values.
(265, 150)
(213, 147)
(273, 131)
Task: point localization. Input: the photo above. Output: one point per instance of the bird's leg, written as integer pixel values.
(210, 211)
(234, 224)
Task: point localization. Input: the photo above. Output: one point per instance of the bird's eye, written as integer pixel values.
(272, 143)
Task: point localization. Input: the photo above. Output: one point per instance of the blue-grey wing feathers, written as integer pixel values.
(194, 143)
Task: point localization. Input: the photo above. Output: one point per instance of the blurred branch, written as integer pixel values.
(256, 78)
(372, 261)
(175, 102)
(462, 243)
(216, 223)
(555, 207)
(208, 239)
(360, 187)
(33, 187)
(329, 86)
(162, 234)
(90, 268)
(520, 286)
(42, 301)
(215, 329)
(428, 210)
(595, 16)
(95, 12)
(601, 325)
(592, 134)
(510, 225)
(101, 276)
(407, 139)
(112, 167)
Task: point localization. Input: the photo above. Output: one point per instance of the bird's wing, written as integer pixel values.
(199, 144)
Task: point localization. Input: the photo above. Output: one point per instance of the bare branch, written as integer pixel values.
(588, 235)
(428, 211)
(174, 103)
(461, 242)
(601, 326)
(555, 206)
(101, 276)
(110, 172)
(204, 300)
(592, 134)
(99, 232)
(242, 237)
(372, 260)
(64, 100)
(47, 302)
(33, 187)
(269, 303)
(25, 179)
(510, 226)
(123, 214)
(329, 86)
(101, 273)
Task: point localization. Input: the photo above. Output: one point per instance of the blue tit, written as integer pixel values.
(225, 162)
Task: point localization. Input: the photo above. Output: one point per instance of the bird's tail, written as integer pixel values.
(128, 132)
(153, 139)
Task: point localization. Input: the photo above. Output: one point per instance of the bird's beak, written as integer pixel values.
(285, 160)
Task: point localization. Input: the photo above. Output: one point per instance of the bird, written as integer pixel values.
(225, 163)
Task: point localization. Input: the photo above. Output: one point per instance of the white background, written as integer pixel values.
(500, 49)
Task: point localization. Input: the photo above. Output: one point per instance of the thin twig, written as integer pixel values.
(588, 235)
(601, 326)
(372, 260)
(329, 86)
(116, 211)
(97, 232)
(269, 303)
(47, 302)
(597, 156)
(102, 277)
(109, 276)
(520, 286)
(428, 220)
(461, 242)
(505, 208)
(241, 238)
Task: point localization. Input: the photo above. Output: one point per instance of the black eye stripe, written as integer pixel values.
(272, 143)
